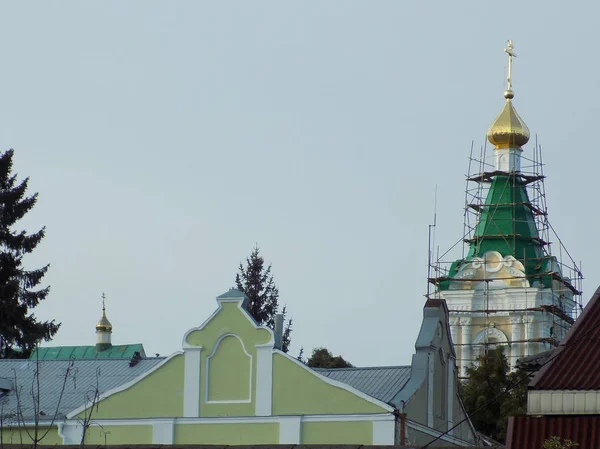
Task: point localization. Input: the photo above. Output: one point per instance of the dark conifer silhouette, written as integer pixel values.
(20, 331)
(257, 283)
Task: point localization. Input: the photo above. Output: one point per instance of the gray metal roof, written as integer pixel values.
(379, 382)
(80, 383)
(233, 294)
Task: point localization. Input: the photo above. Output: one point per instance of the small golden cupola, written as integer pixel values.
(508, 130)
(103, 330)
(508, 133)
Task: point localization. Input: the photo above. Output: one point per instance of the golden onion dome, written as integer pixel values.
(103, 325)
(508, 130)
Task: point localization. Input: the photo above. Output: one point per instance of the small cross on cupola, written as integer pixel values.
(508, 133)
(103, 329)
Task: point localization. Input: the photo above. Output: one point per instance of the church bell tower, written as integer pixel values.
(507, 289)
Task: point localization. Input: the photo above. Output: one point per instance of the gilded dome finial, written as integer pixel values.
(508, 130)
(103, 325)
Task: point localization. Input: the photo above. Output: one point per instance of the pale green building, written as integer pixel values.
(230, 384)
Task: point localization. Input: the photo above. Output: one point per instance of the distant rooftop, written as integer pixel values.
(379, 382)
(87, 352)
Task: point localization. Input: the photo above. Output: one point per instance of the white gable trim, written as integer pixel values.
(123, 387)
(337, 384)
(220, 302)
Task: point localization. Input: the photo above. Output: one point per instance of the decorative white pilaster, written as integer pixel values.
(264, 380)
(466, 350)
(163, 431)
(454, 322)
(384, 432)
(290, 428)
(529, 335)
(191, 382)
(516, 335)
(70, 433)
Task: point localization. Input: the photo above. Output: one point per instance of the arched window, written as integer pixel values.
(487, 340)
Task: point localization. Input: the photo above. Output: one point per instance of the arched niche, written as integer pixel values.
(229, 372)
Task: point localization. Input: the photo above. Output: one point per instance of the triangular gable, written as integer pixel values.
(300, 390)
(574, 363)
(229, 367)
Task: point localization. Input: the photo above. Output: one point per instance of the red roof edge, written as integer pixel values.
(561, 347)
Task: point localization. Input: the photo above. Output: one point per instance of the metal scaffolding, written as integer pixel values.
(557, 269)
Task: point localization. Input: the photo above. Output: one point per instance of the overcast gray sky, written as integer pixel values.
(166, 139)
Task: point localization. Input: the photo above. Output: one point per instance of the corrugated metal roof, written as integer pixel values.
(575, 364)
(81, 381)
(530, 432)
(379, 382)
(232, 293)
(87, 352)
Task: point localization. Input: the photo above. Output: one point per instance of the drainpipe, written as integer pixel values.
(60, 430)
(278, 331)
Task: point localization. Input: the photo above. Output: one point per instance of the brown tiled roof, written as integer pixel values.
(530, 432)
(575, 364)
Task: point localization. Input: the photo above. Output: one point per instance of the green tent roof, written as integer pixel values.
(507, 224)
(87, 352)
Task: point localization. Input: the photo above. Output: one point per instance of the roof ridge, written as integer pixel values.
(366, 367)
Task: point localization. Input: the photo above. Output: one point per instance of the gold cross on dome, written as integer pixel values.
(510, 51)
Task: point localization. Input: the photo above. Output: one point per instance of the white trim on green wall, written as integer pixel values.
(340, 418)
(289, 426)
(191, 381)
(123, 387)
(264, 380)
(384, 432)
(163, 431)
(235, 420)
(207, 374)
(290, 429)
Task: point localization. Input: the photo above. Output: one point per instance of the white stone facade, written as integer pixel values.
(510, 317)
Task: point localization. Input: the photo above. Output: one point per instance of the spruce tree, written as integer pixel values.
(20, 331)
(257, 283)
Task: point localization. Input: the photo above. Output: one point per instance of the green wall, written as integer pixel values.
(11, 436)
(137, 434)
(230, 372)
(229, 379)
(158, 394)
(264, 433)
(298, 391)
(347, 432)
